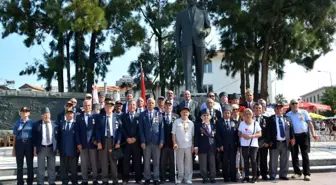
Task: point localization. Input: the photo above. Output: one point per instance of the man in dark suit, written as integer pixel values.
(108, 136)
(192, 26)
(68, 148)
(167, 152)
(46, 133)
(263, 148)
(280, 138)
(206, 143)
(249, 103)
(86, 142)
(214, 113)
(227, 130)
(129, 97)
(130, 132)
(61, 115)
(170, 97)
(191, 104)
(152, 140)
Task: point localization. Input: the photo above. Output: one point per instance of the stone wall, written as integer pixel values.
(12, 101)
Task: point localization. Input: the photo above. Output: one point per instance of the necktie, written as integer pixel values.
(132, 117)
(108, 127)
(207, 129)
(68, 125)
(227, 124)
(281, 127)
(168, 118)
(47, 133)
(257, 119)
(187, 104)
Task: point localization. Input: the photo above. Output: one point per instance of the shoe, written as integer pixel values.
(138, 182)
(284, 178)
(254, 180)
(204, 181)
(296, 176)
(156, 182)
(95, 183)
(84, 183)
(306, 178)
(178, 182)
(124, 182)
(265, 178)
(272, 178)
(105, 183)
(147, 182)
(226, 180)
(115, 183)
(188, 182)
(212, 181)
(246, 179)
(162, 181)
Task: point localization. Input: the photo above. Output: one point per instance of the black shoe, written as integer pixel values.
(115, 183)
(272, 178)
(105, 183)
(156, 182)
(212, 181)
(226, 180)
(265, 178)
(284, 178)
(254, 180)
(246, 179)
(162, 181)
(147, 182)
(205, 181)
(95, 183)
(85, 183)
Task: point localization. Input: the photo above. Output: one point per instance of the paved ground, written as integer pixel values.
(316, 179)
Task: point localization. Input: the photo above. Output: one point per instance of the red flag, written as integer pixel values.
(143, 88)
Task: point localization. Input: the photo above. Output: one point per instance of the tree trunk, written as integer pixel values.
(265, 66)
(242, 81)
(161, 67)
(77, 61)
(247, 75)
(60, 48)
(69, 36)
(256, 78)
(91, 64)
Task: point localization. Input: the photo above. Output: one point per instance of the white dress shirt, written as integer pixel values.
(279, 138)
(110, 121)
(44, 133)
(216, 106)
(86, 117)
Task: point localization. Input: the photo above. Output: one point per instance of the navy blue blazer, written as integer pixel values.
(67, 144)
(124, 108)
(86, 135)
(168, 126)
(37, 133)
(60, 117)
(206, 142)
(218, 115)
(150, 132)
(228, 134)
(101, 126)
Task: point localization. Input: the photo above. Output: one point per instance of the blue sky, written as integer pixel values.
(14, 56)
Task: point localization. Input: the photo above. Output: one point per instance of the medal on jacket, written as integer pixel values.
(117, 123)
(110, 150)
(213, 133)
(93, 121)
(202, 131)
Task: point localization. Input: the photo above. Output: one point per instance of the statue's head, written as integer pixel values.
(192, 2)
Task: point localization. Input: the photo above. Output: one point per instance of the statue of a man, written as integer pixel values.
(192, 26)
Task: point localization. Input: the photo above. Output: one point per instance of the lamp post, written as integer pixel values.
(331, 84)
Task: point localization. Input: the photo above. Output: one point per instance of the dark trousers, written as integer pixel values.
(107, 161)
(207, 160)
(229, 164)
(250, 153)
(134, 151)
(262, 161)
(302, 141)
(167, 157)
(68, 163)
(24, 148)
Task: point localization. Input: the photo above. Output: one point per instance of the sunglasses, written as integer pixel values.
(211, 95)
(294, 103)
(234, 109)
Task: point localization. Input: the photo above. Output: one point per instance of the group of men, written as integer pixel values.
(114, 137)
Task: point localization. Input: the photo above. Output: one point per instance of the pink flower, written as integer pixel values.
(246, 129)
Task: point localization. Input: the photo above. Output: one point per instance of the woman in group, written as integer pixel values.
(249, 132)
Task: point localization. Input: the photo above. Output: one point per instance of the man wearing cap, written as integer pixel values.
(170, 96)
(86, 123)
(302, 125)
(280, 138)
(206, 143)
(101, 96)
(129, 97)
(223, 96)
(131, 133)
(262, 168)
(191, 104)
(118, 108)
(118, 111)
(61, 116)
(74, 105)
(46, 132)
(67, 146)
(216, 105)
(152, 140)
(167, 152)
(235, 99)
(160, 104)
(24, 146)
(108, 136)
(227, 130)
(183, 142)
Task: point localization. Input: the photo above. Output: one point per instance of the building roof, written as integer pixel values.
(3, 87)
(316, 90)
(35, 87)
(112, 88)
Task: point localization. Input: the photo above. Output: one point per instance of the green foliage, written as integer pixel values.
(279, 98)
(329, 98)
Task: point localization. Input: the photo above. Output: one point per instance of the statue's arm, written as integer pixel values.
(207, 24)
(178, 32)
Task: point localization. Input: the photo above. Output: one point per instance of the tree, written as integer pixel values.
(277, 31)
(328, 98)
(279, 98)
